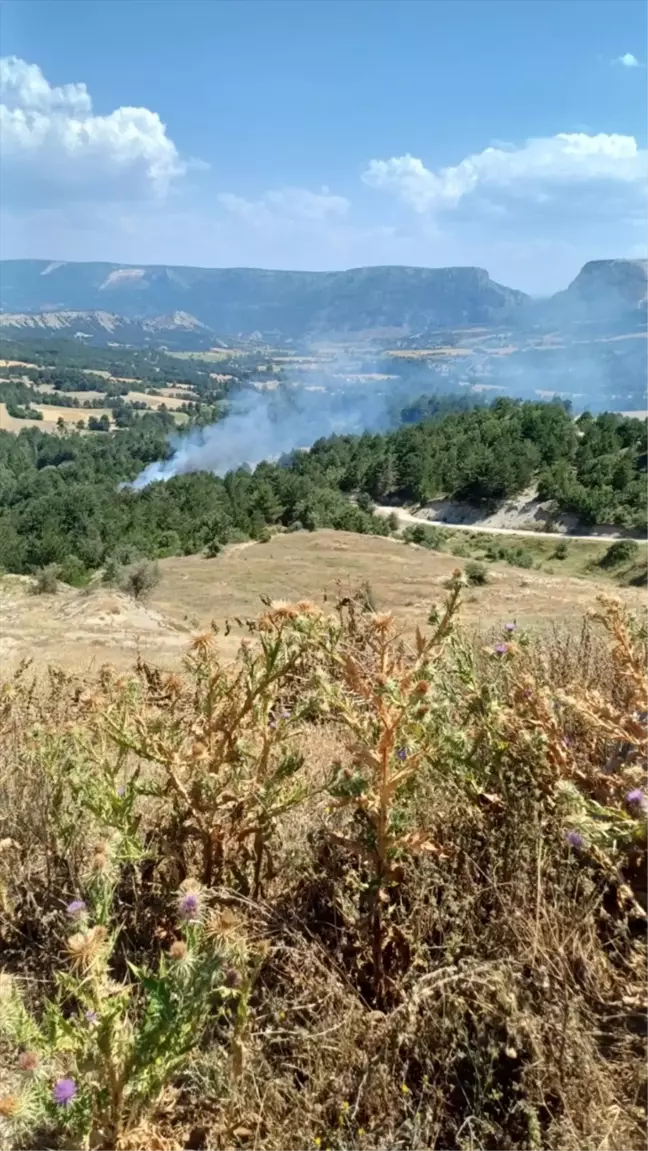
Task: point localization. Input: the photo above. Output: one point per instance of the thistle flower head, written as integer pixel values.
(189, 907)
(85, 947)
(510, 627)
(575, 839)
(402, 753)
(178, 950)
(76, 909)
(501, 648)
(225, 925)
(382, 621)
(64, 1091)
(28, 1061)
(637, 799)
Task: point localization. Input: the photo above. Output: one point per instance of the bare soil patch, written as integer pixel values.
(82, 629)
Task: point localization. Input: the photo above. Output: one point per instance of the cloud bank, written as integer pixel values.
(558, 162)
(53, 144)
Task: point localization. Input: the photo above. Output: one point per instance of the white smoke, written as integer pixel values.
(263, 425)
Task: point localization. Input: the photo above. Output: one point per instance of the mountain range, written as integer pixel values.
(132, 303)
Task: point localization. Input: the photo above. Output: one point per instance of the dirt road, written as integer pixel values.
(409, 518)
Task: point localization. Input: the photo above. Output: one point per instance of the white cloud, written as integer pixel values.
(627, 60)
(53, 144)
(568, 158)
(287, 205)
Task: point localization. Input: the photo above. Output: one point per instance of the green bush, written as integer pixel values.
(364, 502)
(620, 552)
(476, 573)
(425, 535)
(561, 551)
(74, 572)
(112, 572)
(236, 536)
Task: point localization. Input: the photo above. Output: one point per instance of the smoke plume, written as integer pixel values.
(265, 425)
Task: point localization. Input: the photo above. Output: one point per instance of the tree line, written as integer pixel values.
(62, 499)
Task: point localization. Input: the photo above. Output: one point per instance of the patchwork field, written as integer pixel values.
(51, 414)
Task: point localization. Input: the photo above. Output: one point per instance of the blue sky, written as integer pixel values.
(315, 134)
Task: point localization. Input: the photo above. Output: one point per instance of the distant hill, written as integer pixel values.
(604, 291)
(245, 300)
(99, 327)
(194, 307)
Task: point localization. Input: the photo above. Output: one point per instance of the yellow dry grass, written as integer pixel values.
(11, 424)
(170, 401)
(77, 628)
(51, 414)
(405, 580)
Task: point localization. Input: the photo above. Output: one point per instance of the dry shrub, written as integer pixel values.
(340, 894)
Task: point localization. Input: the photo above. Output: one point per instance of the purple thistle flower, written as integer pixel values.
(91, 1016)
(286, 714)
(501, 648)
(575, 839)
(402, 753)
(76, 909)
(64, 1091)
(510, 627)
(636, 798)
(121, 791)
(189, 907)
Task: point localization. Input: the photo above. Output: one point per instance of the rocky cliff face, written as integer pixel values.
(179, 329)
(604, 290)
(243, 300)
(240, 301)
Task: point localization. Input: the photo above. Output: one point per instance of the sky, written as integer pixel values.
(317, 134)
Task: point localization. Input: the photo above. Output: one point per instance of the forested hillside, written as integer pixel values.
(61, 500)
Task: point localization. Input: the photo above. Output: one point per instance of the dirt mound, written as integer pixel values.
(78, 628)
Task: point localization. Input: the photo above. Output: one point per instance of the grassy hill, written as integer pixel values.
(80, 628)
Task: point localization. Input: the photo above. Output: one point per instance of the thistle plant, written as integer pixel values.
(98, 1057)
(383, 699)
(220, 742)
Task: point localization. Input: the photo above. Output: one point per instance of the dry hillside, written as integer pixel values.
(99, 625)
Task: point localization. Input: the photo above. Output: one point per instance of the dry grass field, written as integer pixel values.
(51, 414)
(168, 399)
(95, 626)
